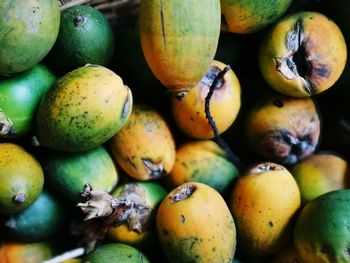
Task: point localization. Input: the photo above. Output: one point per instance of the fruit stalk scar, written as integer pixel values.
(6, 125)
(155, 169)
(183, 192)
(19, 198)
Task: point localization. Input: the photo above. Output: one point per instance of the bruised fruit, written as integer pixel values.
(28, 31)
(83, 109)
(322, 230)
(69, 172)
(150, 195)
(250, 16)
(303, 54)
(179, 39)
(15, 252)
(116, 252)
(194, 224)
(283, 129)
(144, 147)
(264, 202)
(225, 102)
(202, 161)
(85, 36)
(319, 174)
(21, 176)
(20, 96)
(40, 221)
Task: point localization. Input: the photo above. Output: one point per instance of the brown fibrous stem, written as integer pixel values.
(231, 155)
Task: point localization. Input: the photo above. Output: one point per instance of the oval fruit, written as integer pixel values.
(264, 202)
(297, 59)
(85, 36)
(20, 96)
(69, 172)
(84, 109)
(28, 29)
(194, 224)
(144, 147)
(179, 39)
(322, 231)
(116, 252)
(225, 102)
(25, 252)
(202, 161)
(21, 176)
(250, 16)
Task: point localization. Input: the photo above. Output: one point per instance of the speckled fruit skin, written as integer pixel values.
(199, 228)
(179, 39)
(189, 114)
(28, 31)
(145, 147)
(303, 54)
(83, 109)
(264, 202)
(20, 173)
(250, 16)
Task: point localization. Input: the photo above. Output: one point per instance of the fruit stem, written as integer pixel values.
(231, 155)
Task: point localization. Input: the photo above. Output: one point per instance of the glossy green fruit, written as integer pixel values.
(68, 173)
(28, 31)
(20, 96)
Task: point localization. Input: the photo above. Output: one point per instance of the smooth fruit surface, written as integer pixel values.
(250, 16)
(21, 176)
(83, 109)
(179, 39)
(322, 229)
(28, 31)
(263, 203)
(85, 36)
(20, 96)
(194, 224)
(225, 102)
(303, 54)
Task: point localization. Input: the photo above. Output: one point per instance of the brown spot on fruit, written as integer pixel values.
(183, 192)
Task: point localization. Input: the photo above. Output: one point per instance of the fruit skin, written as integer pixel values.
(202, 161)
(283, 129)
(15, 252)
(116, 252)
(85, 36)
(194, 224)
(83, 109)
(28, 31)
(179, 41)
(321, 232)
(320, 173)
(21, 176)
(225, 103)
(69, 172)
(296, 58)
(20, 96)
(133, 147)
(40, 221)
(250, 16)
(263, 203)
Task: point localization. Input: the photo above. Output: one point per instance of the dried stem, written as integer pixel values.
(232, 156)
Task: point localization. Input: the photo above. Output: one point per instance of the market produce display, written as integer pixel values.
(199, 131)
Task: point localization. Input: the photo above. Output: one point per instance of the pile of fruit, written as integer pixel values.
(174, 131)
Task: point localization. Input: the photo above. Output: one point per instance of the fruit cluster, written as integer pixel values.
(180, 131)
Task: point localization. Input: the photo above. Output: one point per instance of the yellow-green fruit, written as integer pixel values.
(250, 16)
(84, 109)
(28, 30)
(21, 177)
(264, 202)
(202, 161)
(179, 39)
(303, 54)
(145, 147)
(225, 102)
(194, 224)
(319, 174)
